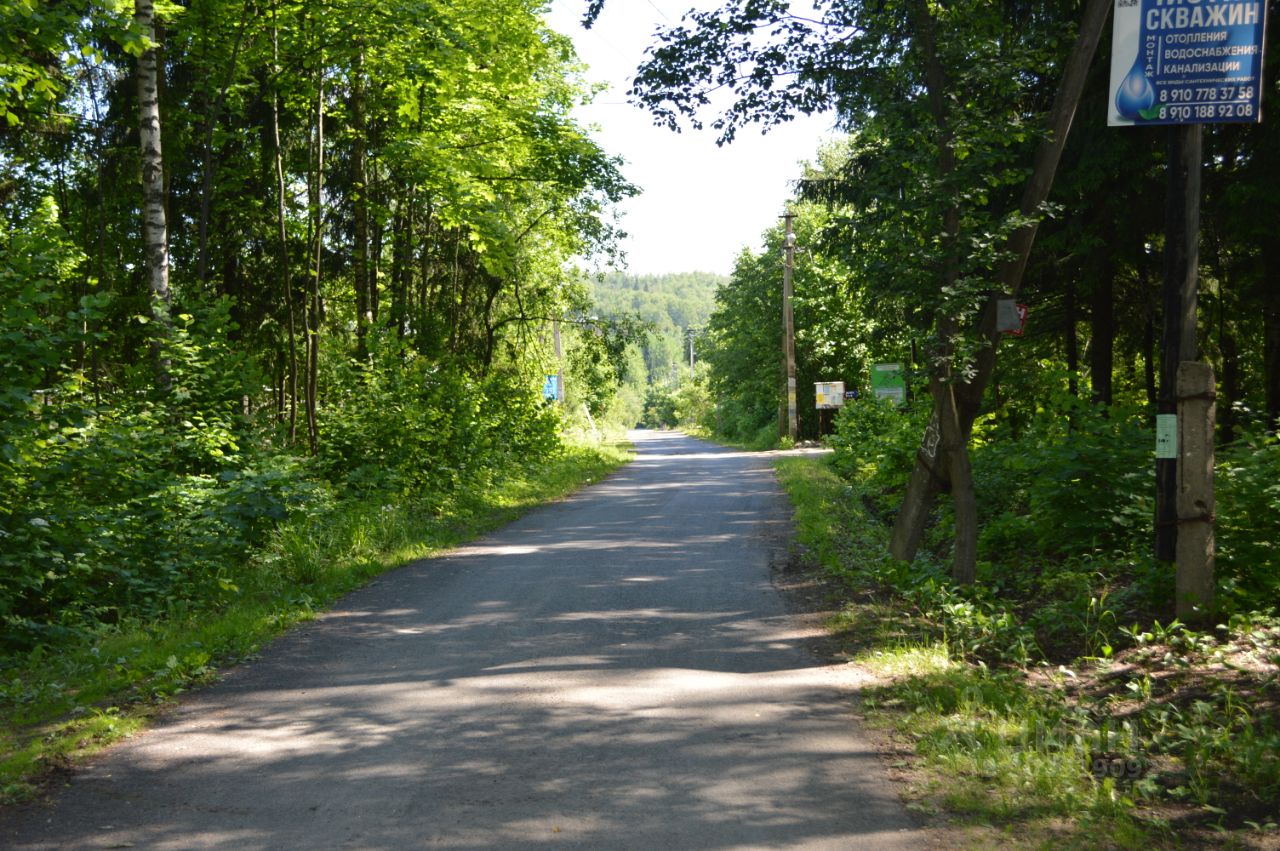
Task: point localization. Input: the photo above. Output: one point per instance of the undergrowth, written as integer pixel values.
(1049, 706)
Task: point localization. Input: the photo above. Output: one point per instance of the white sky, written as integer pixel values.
(701, 203)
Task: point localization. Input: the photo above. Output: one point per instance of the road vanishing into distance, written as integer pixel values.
(615, 670)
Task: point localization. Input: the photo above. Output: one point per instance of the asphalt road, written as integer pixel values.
(612, 671)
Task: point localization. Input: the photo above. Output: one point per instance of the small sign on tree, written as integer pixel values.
(1011, 317)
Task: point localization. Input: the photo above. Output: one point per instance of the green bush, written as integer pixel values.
(742, 420)
(1248, 529)
(403, 424)
(694, 407)
(122, 502)
(659, 408)
(875, 444)
(1070, 483)
(1066, 509)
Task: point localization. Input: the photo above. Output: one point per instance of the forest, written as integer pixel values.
(670, 306)
(656, 389)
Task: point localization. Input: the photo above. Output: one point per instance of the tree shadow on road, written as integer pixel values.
(614, 671)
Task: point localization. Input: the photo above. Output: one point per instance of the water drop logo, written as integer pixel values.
(1135, 95)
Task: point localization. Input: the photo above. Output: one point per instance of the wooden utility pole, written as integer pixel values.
(1184, 474)
(1181, 279)
(788, 326)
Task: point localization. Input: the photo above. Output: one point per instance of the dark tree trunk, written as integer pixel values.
(375, 244)
(360, 211)
(317, 271)
(1149, 355)
(1071, 341)
(953, 433)
(402, 262)
(1102, 337)
(923, 486)
(1271, 330)
(1230, 348)
(286, 277)
(208, 159)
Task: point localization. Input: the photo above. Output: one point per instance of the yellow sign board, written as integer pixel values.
(830, 394)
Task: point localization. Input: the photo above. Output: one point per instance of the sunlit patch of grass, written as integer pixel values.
(908, 660)
(35, 755)
(996, 752)
(821, 523)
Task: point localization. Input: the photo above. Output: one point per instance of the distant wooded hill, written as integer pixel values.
(671, 303)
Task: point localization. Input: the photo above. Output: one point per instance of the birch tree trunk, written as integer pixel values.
(283, 235)
(155, 231)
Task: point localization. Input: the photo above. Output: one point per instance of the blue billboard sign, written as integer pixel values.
(1186, 62)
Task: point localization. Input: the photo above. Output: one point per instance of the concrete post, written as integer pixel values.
(1195, 502)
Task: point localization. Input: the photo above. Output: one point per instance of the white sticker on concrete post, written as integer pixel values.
(1166, 435)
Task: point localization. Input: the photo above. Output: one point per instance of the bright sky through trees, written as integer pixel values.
(701, 203)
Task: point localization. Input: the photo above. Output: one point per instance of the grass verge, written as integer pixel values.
(1169, 743)
(62, 703)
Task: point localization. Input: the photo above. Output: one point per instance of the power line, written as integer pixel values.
(594, 32)
(660, 12)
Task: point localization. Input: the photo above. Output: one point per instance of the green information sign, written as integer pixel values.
(889, 382)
